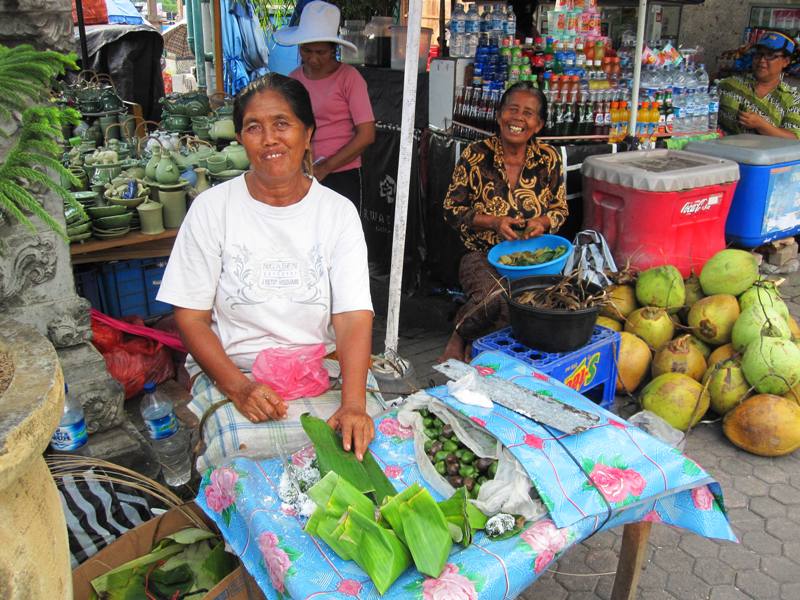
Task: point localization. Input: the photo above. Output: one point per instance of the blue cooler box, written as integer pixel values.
(766, 205)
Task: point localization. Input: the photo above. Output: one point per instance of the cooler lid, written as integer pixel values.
(660, 170)
(750, 149)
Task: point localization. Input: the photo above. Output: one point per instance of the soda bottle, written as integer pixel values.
(70, 435)
(168, 438)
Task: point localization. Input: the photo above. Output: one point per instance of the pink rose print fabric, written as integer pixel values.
(276, 560)
(450, 585)
(703, 499)
(616, 484)
(350, 587)
(392, 427)
(546, 540)
(393, 471)
(221, 492)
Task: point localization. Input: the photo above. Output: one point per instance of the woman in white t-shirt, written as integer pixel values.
(274, 259)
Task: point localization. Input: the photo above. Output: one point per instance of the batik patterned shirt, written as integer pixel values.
(480, 186)
(781, 107)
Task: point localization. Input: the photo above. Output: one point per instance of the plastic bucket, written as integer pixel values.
(549, 330)
(398, 60)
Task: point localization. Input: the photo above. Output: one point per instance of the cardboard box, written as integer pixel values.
(238, 585)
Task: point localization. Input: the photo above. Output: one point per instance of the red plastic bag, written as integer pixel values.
(132, 360)
(294, 373)
(95, 12)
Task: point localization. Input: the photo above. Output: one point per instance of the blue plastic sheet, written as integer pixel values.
(608, 476)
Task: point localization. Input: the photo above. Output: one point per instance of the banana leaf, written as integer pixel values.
(366, 476)
(454, 510)
(185, 562)
(390, 511)
(379, 552)
(426, 533)
(335, 494)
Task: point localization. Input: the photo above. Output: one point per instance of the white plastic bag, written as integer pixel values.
(510, 489)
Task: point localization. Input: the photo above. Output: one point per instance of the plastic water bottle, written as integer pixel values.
(473, 21)
(486, 20)
(70, 435)
(701, 76)
(713, 108)
(498, 18)
(510, 24)
(458, 23)
(168, 438)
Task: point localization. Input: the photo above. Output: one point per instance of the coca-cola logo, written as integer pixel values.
(703, 204)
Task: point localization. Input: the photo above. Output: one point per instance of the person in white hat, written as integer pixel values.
(342, 110)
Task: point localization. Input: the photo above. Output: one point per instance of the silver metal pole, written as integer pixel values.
(403, 173)
(637, 67)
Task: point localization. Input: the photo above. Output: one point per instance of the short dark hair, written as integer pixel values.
(528, 87)
(292, 91)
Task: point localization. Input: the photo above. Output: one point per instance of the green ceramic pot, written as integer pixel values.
(151, 217)
(174, 203)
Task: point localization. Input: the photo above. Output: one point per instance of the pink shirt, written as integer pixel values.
(340, 102)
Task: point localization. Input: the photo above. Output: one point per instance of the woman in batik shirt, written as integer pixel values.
(506, 187)
(762, 102)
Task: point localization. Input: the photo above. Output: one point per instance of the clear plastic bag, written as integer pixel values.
(508, 491)
(293, 372)
(651, 423)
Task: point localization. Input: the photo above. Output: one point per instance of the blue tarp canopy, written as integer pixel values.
(123, 11)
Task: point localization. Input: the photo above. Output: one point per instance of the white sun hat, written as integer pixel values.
(319, 22)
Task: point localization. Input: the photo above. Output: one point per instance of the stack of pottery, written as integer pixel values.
(126, 193)
(78, 225)
(222, 127)
(179, 109)
(167, 187)
(231, 162)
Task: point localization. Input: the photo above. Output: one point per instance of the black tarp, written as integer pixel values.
(131, 56)
(377, 210)
(385, 88)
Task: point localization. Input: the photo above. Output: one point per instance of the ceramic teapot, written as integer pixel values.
(152, 164)
(222, 129)
(173, 122)
(236, 156)
(167, 172)
(110, 100)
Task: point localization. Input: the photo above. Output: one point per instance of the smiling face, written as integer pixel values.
(768, 64)
(274, 137)
(519, 118)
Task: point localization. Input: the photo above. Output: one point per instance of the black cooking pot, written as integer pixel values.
(549, 330)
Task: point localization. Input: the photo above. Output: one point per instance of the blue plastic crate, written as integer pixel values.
(130, 287)
(585, 370)
(87, 284)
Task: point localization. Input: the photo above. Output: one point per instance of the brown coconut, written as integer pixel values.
(764, 424)
(720, 354)
(633, 362)
(679, 356)
(609, 323)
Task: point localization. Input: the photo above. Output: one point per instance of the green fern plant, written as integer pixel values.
(26, 77)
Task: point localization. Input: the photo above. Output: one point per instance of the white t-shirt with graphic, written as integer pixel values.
(271, 276)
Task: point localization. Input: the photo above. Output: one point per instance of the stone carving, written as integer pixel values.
(100, 414)
(45, 25)
(33, 263)
(72, 325)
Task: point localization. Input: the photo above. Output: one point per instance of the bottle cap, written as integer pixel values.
(149, 387)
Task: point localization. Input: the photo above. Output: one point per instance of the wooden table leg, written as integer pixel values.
(631, 557)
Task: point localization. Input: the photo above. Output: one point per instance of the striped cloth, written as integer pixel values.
(227, 434)
(97, 513)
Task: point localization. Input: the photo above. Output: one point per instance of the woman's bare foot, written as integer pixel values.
(455, 348)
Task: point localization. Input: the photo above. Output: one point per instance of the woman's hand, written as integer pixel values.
(356, 427)
(258, 402)
(754, 121)
(504, 227)
(535, 227)
(321, 170)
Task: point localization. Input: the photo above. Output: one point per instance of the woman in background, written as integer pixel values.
(342, 110)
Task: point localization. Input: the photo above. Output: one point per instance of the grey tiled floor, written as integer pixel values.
(762, 495)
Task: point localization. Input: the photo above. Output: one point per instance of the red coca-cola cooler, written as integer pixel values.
(659, 207)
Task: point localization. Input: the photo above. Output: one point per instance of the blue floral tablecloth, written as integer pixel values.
(608, 476)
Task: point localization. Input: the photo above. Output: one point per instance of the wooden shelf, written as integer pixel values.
(132, 245)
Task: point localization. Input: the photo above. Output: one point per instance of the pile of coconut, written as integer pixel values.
(723, 341)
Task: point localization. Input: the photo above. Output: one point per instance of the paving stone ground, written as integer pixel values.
(762, 496)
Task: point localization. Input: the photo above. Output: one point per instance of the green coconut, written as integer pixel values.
(756, 322)
(765, 294)
(651, 324)
(621, 302)
(694, 290)
(772, 365)
(713, 317)
(661, 286)
(727, 386)
(677, 398)
(729, 272)
(704, 348)
(609, 323)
